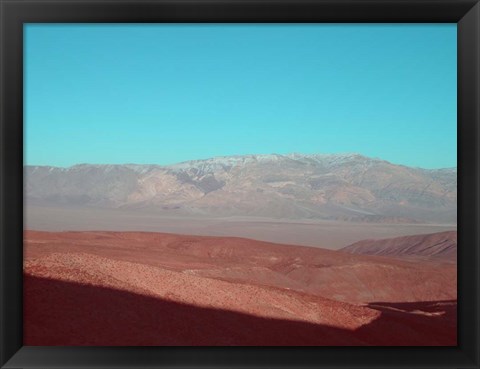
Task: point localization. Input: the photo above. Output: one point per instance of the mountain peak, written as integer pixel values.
(346, 186)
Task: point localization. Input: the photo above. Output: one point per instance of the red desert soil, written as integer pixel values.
(135, 288)
(435, 246)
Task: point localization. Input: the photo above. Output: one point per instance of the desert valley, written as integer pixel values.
(262, 250)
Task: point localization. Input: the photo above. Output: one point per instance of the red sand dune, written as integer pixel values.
(435, 246)
(114, 288)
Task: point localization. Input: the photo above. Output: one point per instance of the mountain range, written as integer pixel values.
(348, 187)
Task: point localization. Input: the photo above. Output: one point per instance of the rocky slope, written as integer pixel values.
(332, 274)
(117, 288)
(437, 246)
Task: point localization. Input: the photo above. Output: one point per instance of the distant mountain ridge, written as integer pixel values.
(294, 186)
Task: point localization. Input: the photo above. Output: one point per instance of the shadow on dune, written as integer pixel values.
(58, 313)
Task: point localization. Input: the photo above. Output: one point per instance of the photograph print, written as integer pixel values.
(240, 185)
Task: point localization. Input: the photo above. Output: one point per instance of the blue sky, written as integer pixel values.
(168, 93)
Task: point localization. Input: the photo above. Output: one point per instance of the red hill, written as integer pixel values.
(114, 288)
(436, 246)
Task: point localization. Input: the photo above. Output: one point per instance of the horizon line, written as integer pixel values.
(290, 154)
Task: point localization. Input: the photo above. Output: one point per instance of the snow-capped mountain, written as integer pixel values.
(337, 186)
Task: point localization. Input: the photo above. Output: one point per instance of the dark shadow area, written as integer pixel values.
(447, 306)
(58, 313)
(436, 321)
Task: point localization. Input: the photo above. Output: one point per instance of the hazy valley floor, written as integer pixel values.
(138, 288)
(333, 234)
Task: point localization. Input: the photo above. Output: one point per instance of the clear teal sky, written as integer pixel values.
(168, 93)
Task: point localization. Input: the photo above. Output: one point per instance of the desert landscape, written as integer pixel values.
(240, 184)
(327, 201)
(139, 288)
(260, 250)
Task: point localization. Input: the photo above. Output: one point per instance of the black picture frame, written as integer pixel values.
(14, 13)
